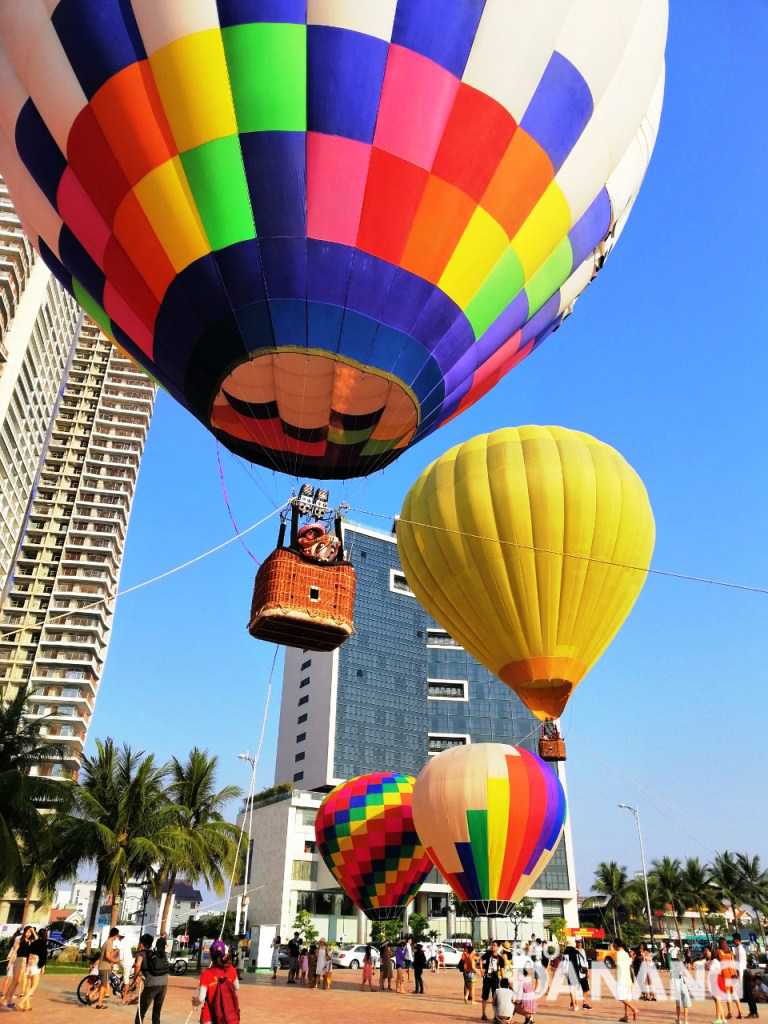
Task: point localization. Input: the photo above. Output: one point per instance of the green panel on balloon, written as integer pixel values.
(91, 307)
(497, 291)
(267, 66)
(478, 840)
(217, 180)
(552, 275)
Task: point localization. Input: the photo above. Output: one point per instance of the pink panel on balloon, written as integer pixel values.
(336, 174)
(81, 217)
(491, 372)
(416, 101)
(124, 316)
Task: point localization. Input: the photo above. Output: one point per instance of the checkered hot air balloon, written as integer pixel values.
(490, 817)
(327, 226)
(365, 835)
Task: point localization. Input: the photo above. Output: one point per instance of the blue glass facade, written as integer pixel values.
(404, 688)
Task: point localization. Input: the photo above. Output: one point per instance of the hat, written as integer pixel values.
(506, 946)
(218, 948)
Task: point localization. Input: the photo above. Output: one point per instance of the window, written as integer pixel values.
(445, 741)
(447, 689)
(309, 846)
(304, 871)
(552, 908)
(298, 776)
(306, 816)
(303, 700)
(304, 682)
(301, 719)
(306, 664)
(300, 756)
(439, 638)
(399, 584)
(301, 737)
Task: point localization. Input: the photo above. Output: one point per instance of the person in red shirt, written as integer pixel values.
(221, 970)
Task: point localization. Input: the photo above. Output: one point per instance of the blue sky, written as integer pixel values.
(664, 359)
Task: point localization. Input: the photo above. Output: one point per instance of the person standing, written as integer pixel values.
(385, 967)
(109, 958)
(294, 951)
(470, 968)
(154, 969)
(17, 965)
(432, 955)
(744, 990)
(217, 992)
(680, 991)
(624, 980)
(367, 969)
(493, 972)
(419, 963)
(399, 966)
(12, 954)
(324, 966)
(275, 961)
(304, 965)
(728, 977)
(582, 973)
(135, 983)
(36, 960)
(408, 957)
(571, 968)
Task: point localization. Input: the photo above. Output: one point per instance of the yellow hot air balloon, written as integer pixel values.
(529, 545)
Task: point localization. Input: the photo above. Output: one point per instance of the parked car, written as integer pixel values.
(352, 956)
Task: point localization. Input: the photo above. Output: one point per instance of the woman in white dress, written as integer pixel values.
(624, 980)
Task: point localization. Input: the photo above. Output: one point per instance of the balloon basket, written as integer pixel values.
(302, 603)
(385, 913)
(552, 749)
(489, 908)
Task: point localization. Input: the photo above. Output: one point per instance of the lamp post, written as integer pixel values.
(246, 877)
(636, 813)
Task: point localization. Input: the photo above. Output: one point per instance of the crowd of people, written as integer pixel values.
(25, 966)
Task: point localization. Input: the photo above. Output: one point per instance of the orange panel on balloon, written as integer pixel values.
(521, 179)
(441, 218)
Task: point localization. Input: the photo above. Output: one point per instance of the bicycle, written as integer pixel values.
(88, 989)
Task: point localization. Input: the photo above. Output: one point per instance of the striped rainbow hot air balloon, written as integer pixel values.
(490, 817)
(365, 835)
(327, 226)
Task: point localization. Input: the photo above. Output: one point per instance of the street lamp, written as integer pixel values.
(636, 813)
(246, 898)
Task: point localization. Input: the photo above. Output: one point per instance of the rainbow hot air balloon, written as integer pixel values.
(490, 817)
(529, 545)
(365, 835)
(327, 226)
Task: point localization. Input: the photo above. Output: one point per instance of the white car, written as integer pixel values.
(451, 955)
(352, 956)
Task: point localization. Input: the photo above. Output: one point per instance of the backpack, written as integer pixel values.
(223, 1003)
(156, 963)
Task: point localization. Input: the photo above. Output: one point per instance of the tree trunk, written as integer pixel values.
(616, 927)
(703, 923)
(677, 929)
(28, 899)
(115, 909)
(94, 910)
(168, 903)
(760, 926)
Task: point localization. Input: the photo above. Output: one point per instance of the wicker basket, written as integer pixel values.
(552, 749)
(301, 603)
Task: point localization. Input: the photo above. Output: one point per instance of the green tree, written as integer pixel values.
(304, 924)
(633, 932)
(386, 931)
(556, 926)
(667, 889)
(522, 911)
(24, 797)
(755, 887)
(418, 926)
(697, 884)
(728, 882)
(209, 927)
(198, 843)
(613, 890)
(119, 820)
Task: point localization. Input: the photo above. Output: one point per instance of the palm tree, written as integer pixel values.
(119, 820)
(667, 888)
(612, 888)
(756, 887)
(728, 882)
(23, 797)
(200, 844)
(697, 885)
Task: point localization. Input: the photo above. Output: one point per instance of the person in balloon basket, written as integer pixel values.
(419, 966)
(294, 952)
(217, 993)
(493, 971)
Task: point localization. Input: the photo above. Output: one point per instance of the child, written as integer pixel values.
(312, 965)
(441, 959)
(525, 1002)
(304, 963)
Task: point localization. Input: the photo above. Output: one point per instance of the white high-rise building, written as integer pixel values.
(68, 474)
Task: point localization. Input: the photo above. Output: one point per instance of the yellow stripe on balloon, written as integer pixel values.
(166, 199)
(498, 799)
(191, 76)
(547, 225)
(479, 249)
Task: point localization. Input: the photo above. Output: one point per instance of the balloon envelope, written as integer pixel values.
(490, 817)
(529, 546)
(365, 835)
(327, 226)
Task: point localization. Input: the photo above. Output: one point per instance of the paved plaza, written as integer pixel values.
(266, 1002)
